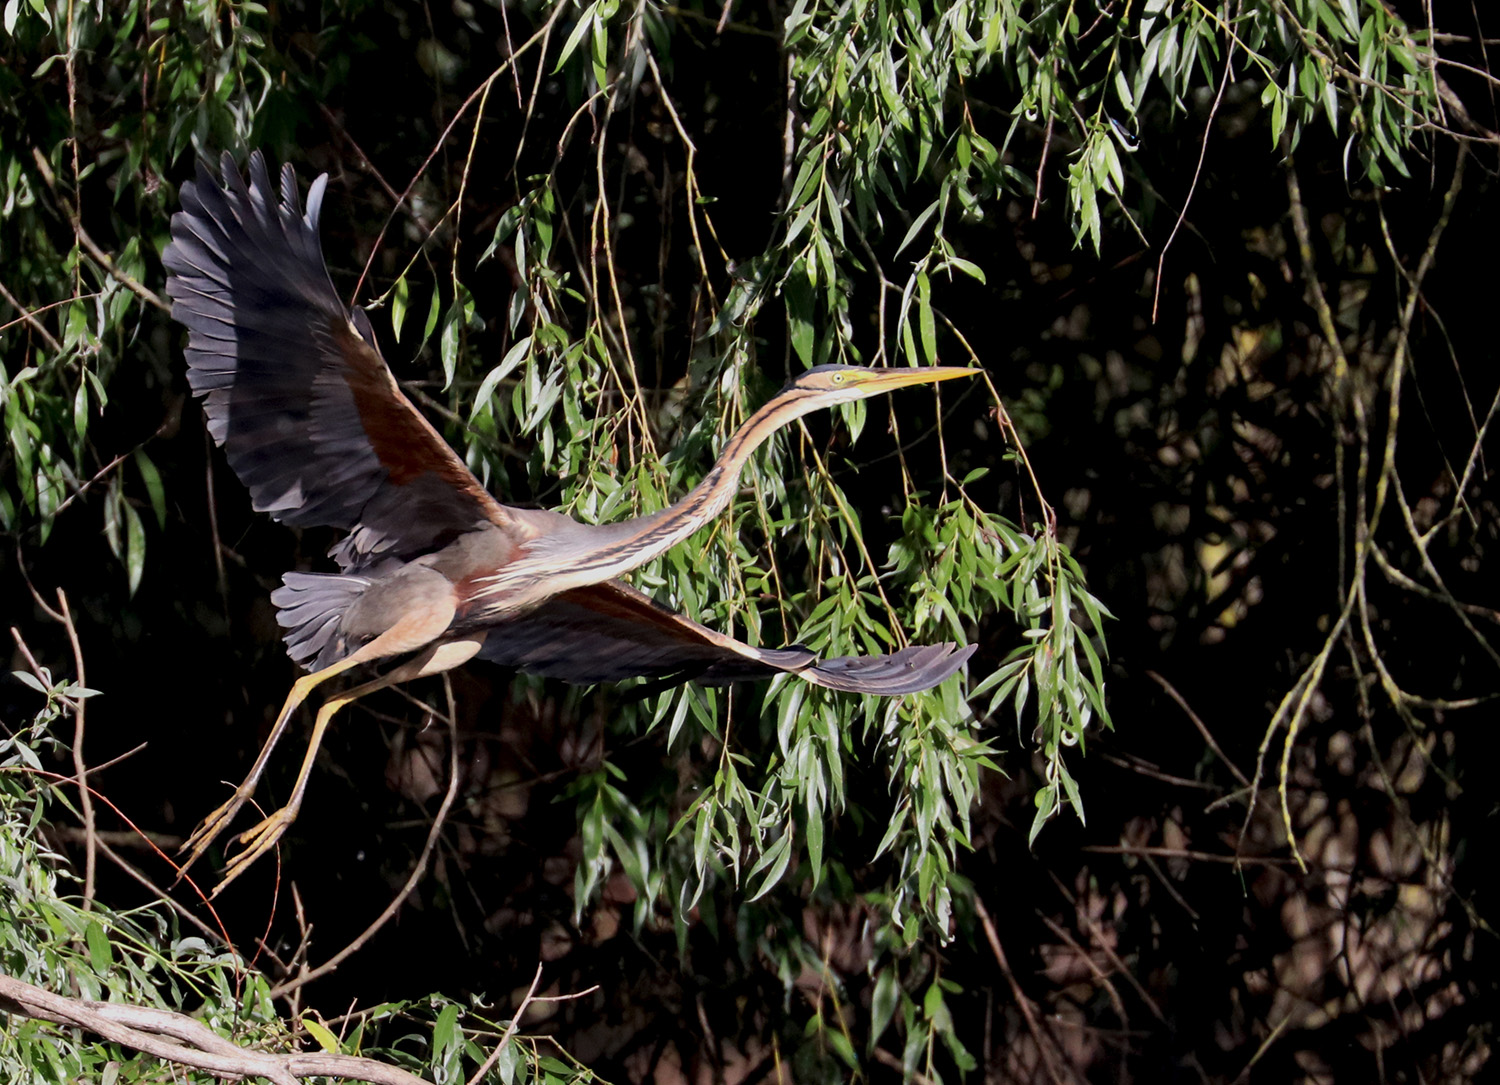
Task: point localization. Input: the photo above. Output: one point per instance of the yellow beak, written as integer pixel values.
(884, 380)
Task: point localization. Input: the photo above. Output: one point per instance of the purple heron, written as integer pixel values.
(433, 570)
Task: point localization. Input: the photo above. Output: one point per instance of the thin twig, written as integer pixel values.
(1041, 166)
(111, 465)
(1203, 730)
(85, 802)
(885, 1058)
(510, 1029)
(124, 838)
(95, 770)
(145, 293)
(483, 89)
(1131, 763)
(135, 873)
(510, 47)
(1183, 853)
(105, 470)
(70, 64)
(28, 318)
(1087, 957)
(419, 869)
(1044, 1042)
(40, 309)
(372, 169)
(213, 526)
(1208, 128)
(1096, 935)
(602, 243)
(37, 670)
(536, 89)
(150, 841)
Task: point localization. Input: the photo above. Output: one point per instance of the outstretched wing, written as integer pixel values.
(293, 383)
(606, 632)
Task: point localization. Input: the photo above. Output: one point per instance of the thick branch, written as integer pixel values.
(180, 1039)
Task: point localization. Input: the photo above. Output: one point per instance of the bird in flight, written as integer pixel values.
(433, 571)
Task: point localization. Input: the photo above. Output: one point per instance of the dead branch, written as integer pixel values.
(1044, 1042)
(184, 1041)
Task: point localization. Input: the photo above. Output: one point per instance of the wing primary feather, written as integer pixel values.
(293, 383)
(608, 632)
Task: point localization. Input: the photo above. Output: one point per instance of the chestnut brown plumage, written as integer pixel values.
(432, 568)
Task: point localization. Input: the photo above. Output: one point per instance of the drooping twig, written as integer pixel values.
(541, 35)
(1295, 704)
(1041, 167)
(1208, 128)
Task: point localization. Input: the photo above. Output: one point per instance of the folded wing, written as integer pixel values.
(608, 632)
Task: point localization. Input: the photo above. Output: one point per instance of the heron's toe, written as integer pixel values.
(255, 842)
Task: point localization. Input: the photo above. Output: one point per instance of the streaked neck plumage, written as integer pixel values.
(593, 554)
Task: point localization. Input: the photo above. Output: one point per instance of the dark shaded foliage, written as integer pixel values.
(1205, 464)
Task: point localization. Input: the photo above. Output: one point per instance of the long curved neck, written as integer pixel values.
(652, 535)
(581, 555)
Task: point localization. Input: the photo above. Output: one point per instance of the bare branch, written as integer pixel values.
(182, 1040)
(85, 800)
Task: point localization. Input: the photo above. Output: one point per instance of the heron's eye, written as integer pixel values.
(838, 378)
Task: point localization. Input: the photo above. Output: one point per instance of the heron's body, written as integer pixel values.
(433, 570)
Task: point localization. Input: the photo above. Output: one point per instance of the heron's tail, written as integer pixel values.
(310, 606)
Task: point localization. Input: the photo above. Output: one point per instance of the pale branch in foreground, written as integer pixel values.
(180, 1039)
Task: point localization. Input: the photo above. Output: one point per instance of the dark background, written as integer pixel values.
(1192, 461)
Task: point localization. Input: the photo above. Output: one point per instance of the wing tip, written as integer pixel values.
(910, 670)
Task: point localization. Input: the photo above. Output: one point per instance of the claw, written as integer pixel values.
(212, 827)
(263, 837)
(256, 842)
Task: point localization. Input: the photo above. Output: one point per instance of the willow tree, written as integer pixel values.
(593, 237)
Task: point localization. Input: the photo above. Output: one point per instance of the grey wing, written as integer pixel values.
(608, 632)
(293, 384)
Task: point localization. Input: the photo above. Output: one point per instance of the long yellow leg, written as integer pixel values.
(260, 839)
(211, 827)
(417, 628)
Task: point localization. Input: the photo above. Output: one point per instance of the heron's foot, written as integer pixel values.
(212, 827)
(256, 842)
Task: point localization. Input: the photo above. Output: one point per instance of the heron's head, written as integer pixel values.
(825, 385)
